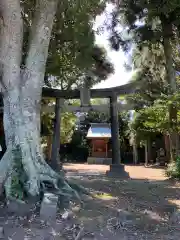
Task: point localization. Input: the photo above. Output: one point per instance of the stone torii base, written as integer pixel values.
(117, 171)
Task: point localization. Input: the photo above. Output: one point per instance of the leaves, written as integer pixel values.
(68, 123)
(73, 56)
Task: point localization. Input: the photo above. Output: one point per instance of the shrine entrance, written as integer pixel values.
(85, 94)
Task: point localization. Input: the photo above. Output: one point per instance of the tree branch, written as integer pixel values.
(39, 41)
(11, 41)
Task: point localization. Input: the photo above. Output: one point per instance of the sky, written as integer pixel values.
(120, 76)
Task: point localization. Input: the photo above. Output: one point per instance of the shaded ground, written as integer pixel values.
(138, 208)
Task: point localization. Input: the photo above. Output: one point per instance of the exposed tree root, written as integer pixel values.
(19, 183)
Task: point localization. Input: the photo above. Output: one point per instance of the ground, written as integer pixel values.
(137, 208)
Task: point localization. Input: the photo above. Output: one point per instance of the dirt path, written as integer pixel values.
(135, 172)
(138, 208)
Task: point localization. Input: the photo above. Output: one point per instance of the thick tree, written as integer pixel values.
(23, 65)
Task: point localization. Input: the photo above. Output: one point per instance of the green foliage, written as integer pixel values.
(153, 31)
(68, 122)
(173, 169)
(98, 117)
(81, 143)
(143, 19)
(73, 56)
(148, 61)
(18, 177)
(155, 118)
(79, 139)
(152, 119)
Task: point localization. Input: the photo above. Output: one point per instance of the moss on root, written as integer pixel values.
(18, 176)
(16, 185)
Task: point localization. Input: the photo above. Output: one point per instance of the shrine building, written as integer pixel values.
(99, 135)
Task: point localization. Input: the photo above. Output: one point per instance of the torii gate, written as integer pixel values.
(85, 94)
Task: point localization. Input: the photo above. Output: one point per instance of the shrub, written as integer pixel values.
(173, 169)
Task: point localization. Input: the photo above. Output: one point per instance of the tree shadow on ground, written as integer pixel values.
(156, 166)
(138, 208)
(126, 209)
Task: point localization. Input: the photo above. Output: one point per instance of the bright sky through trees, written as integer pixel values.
(121, 76)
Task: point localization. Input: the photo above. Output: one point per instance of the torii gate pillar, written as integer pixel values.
(116, 154)
(55, 157)
(116, 169)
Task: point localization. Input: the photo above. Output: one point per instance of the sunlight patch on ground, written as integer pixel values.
(175, 202)
(177, 186)
(152, 215)
(135, 172)
(104, 196)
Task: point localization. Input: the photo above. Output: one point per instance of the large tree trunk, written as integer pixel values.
(171, 80)
(10, 59)
(22, 168)
(21, 132)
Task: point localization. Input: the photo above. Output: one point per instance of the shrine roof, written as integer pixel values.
(99, 130)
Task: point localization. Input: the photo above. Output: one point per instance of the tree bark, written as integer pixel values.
(149, 148)
(146, 153)
(10, 58)
(135, 150)
(21, 130)
(135, 154)
(11, 43)
(167, 147)
(33, 78)
(22, 98)
(171, 79)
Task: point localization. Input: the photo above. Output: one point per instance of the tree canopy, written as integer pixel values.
(73, 56)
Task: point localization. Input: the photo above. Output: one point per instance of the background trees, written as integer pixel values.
(152, 30)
